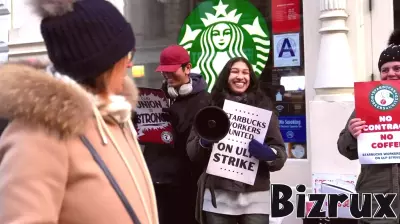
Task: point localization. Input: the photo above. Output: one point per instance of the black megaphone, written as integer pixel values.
(212, 123)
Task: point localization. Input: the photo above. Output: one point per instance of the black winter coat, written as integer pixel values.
(170, 164)
(200, 156)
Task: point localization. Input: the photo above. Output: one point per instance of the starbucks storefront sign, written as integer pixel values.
(216, 31)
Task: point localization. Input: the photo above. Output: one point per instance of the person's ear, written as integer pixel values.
(188, 68)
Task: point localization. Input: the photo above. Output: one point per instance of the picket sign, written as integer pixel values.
(230, 157)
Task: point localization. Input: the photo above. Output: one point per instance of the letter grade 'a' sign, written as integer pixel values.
(218, 30)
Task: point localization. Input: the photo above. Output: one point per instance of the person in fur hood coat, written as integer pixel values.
(70, 154)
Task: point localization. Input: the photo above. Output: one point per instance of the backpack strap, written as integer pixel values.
(111, 179)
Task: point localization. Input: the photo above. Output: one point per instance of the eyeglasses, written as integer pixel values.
(183, 66)
(131, 54)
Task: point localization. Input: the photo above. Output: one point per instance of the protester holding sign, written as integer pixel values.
(375, 178)
(222, 200)
(173, 175)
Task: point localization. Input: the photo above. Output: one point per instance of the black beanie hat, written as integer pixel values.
(392, 52)
(84, 38)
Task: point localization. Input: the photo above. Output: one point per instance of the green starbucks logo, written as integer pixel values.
(218, 30)
(384, 97)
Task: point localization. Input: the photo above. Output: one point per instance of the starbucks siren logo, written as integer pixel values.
(213, 36)
(384, 97)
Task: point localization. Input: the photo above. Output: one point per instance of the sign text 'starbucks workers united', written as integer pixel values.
(218, 30)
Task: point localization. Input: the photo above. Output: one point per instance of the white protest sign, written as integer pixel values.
(319, 185)
(319, 178)
(230, 157)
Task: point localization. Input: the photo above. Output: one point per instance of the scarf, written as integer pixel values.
(242, 98)
(114, 109)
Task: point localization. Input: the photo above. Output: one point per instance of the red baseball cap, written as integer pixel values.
(172, 58)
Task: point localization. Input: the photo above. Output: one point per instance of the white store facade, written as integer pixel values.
(341, 43)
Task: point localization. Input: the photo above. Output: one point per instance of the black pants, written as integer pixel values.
(213, 218)
(176, 204)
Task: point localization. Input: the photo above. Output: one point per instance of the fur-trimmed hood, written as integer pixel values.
(37, 98)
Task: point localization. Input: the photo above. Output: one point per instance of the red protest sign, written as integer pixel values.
(150, 123)
(377, 103)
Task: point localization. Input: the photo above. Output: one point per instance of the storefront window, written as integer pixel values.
(396, 13)
(268, 32)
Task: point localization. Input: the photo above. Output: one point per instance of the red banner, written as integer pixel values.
(285, 16)
(377, 103)
(150, 123)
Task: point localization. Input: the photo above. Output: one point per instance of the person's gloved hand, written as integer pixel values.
(204, 143)
(260, 151)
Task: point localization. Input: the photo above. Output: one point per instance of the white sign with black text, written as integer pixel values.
(230, 157)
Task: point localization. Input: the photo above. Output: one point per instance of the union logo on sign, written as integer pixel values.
(384, 97)
(166, 136)
(218, 30)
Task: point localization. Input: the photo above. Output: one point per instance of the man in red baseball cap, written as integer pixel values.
(175, 66)
(174, 176)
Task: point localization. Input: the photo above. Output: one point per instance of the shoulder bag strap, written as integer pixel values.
(111, 179)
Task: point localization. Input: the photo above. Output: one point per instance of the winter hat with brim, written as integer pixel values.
(84, 38)
(392, 52)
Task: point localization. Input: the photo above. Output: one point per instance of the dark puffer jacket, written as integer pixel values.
(374, 178)
(200, 156)
(170, 164)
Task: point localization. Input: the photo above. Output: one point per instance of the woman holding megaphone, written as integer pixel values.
(226, 201)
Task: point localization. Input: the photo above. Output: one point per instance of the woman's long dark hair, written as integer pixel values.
(255, 96)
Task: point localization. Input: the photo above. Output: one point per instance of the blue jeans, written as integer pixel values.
(213, 218)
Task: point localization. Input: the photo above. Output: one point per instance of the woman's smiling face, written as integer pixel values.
(239, 78)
